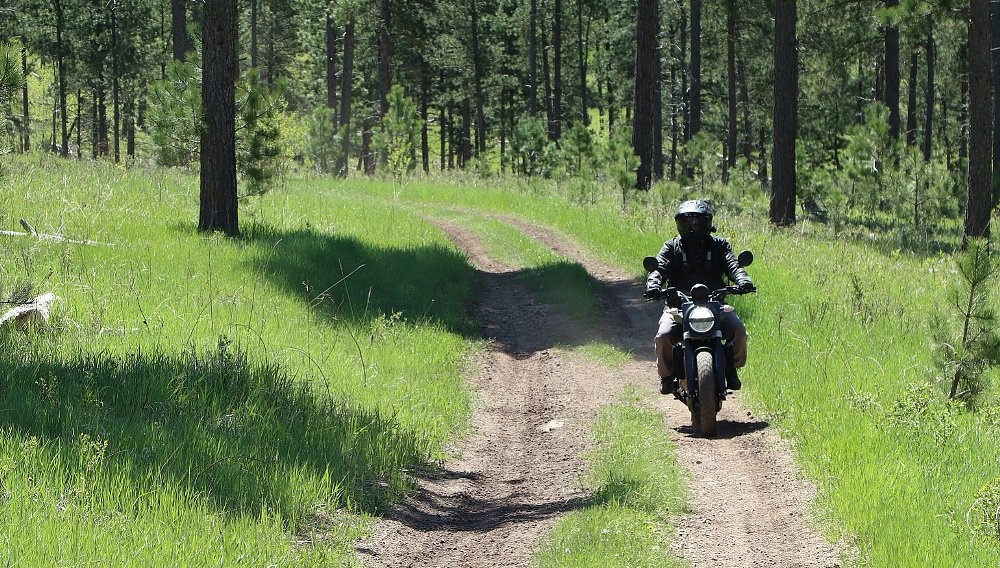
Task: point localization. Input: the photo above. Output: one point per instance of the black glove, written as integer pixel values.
(651, 293)
(747, 286)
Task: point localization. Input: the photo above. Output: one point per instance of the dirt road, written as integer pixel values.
(518, 472)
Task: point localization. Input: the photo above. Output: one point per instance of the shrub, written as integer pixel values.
(966, 341)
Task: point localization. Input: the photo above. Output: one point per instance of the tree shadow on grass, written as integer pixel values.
(355, 281)
(245, 438)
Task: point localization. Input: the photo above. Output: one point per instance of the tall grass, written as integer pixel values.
(204, 400)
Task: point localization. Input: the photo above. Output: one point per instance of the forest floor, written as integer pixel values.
(519, 470)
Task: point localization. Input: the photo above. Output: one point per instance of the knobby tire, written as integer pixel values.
(706, 394)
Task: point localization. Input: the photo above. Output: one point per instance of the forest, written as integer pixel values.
(348, 283)
(871, 113)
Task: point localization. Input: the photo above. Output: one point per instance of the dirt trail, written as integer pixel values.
(519, 470)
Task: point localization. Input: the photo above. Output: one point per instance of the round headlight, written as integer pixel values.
(702, 320)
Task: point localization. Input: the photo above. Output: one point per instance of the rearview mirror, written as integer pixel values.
(650, 263)
(745, 258)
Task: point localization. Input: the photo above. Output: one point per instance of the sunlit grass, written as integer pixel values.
(608, 355)
(344, 310)
(201, 400)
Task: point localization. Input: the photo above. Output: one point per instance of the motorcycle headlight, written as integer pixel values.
(701, 320)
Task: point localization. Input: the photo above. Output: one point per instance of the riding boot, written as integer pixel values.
(669, 385)
(733, 380)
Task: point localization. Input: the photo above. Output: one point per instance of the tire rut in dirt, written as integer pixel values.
(520, 468)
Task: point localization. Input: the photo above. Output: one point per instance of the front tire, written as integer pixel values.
(706, 394)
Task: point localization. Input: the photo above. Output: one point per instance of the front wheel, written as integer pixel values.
(706, 393)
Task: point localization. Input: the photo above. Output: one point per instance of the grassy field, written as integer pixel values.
(204, 400)
(200, 400)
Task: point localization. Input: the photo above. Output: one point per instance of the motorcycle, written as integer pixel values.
(706, 358)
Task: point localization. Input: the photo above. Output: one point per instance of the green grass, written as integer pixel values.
(636, 486)
(207, 400)
(202, 400)
(609, 355)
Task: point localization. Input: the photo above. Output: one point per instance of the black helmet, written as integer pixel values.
(694, 219)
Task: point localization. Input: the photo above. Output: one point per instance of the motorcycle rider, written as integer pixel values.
(696, 257)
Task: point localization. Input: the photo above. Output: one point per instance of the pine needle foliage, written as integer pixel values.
(11, 78)
(969, 344)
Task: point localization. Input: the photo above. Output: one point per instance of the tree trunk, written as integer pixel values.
(645, 53)
(995, 80)
(657, 110)
(980, 200)
(695, 99)
(547, 80)
(346, 89)
(533, 59)
(130, 125)
(115, 81)
(674, 104)
(682, 61)
(94, 142)
(943, 132)
(582, 57)
(25, 107)
(963, 114)
(367, 156)
(219, 202)
(383, 57)
(61, 65)
(555, 119)
(466, 128)
(271, 55)
(892, 73)
(731, 80)
(747, 124)
(331, 63)
(929, 96)
(425, 151)
(79, 124)
(178, 20)
(911, 101)
(450, 136)
(141, 104)
(477, 66)
(503, 132)
(783, 184)
(443, 131)
(253, 33)
(102, 117)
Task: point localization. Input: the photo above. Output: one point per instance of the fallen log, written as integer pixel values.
(42, 236)
(30, 315)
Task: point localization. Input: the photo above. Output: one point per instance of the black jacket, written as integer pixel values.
(683, 265)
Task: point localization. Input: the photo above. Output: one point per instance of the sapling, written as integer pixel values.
(968, 356)
(399, 137)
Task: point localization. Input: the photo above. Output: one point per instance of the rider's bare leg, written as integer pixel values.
(664, 357)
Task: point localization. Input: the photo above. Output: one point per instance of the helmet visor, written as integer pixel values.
(693, 225)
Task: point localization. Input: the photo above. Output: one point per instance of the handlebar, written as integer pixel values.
(673, 294)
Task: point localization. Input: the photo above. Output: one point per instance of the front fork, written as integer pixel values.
(722, 355)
